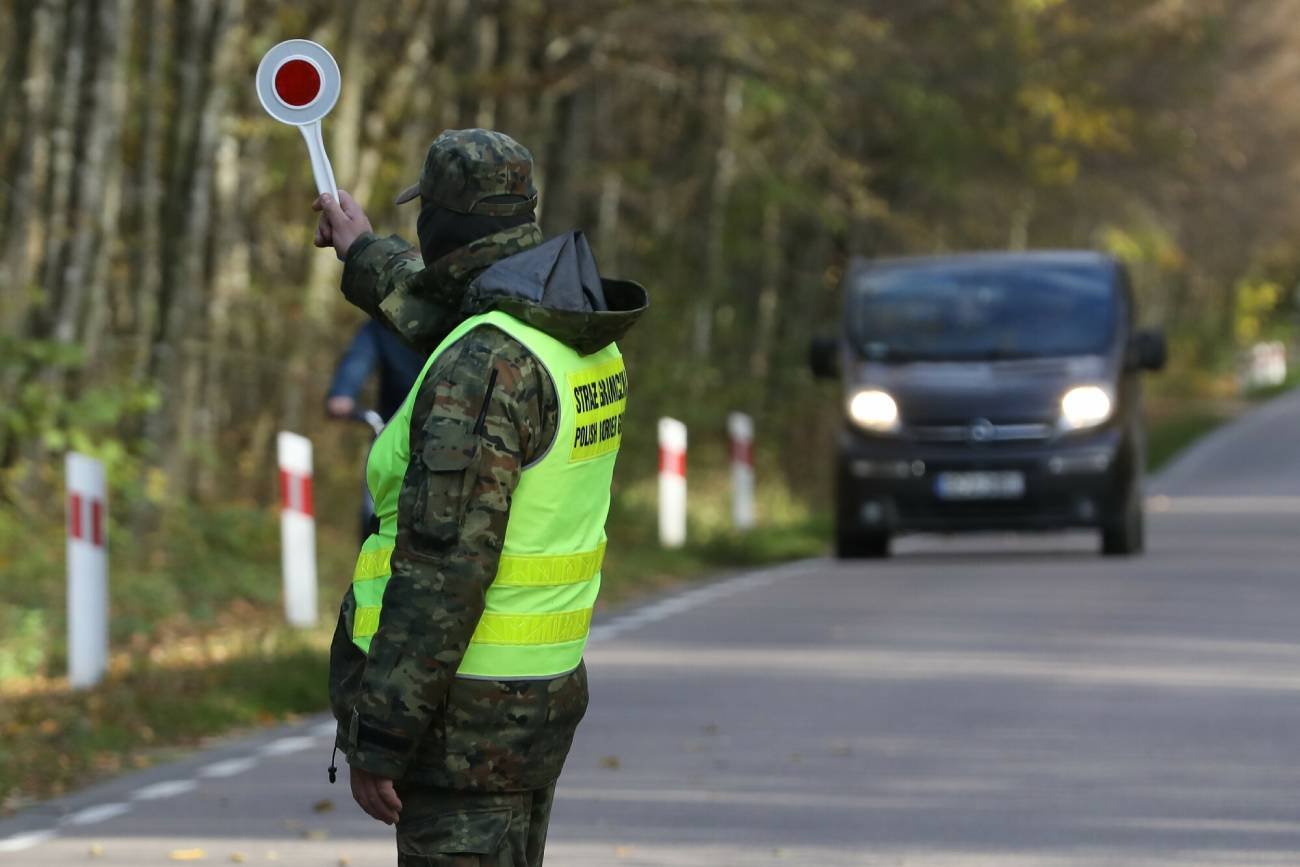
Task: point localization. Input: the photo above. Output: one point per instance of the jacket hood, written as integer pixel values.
(556, 288)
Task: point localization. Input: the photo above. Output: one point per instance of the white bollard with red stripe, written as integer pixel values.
(87, 570)
(297, 529)
(740, 429)
(672, 483)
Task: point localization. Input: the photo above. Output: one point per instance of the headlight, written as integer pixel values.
(1085, 406)
(874, 410)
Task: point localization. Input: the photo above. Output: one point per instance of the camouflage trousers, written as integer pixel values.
(440, 828)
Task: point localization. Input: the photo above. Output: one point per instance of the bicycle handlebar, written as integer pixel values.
(370, 417)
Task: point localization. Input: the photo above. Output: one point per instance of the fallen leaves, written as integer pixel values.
(187, 855)
(57, 739)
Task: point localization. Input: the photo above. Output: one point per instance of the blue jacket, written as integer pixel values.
(376, 347)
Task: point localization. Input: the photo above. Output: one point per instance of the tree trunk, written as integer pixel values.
(715, 211)
(611, 198)
(229, 286)
(108, 236)
(23, 224)
(451, 32)
(567, 154)
(59, 203)
(485, 115)
(513, 17)
(95, 178)
(769, 295)
(146, 191)
(464, 56)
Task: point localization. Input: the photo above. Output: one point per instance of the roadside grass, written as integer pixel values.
(1183, 409)
(1168, 435)
(199, 645)
(1268, 392)
(53, 740)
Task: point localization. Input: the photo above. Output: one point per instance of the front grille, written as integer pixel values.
(981, 433)
(1036, 510)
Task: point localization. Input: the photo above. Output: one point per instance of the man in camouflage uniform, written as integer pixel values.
(465, 768)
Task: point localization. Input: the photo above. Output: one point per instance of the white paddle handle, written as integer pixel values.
(321, 169)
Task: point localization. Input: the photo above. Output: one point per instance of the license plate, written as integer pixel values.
(980, 486)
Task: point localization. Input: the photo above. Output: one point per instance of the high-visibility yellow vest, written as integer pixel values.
(538, 607)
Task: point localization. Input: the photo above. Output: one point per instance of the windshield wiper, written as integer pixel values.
(884, 353)
(1001, 355)
(890, 354)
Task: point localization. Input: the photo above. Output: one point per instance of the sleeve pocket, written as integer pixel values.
(450, 460)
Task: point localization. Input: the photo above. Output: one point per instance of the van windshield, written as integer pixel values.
(948, 312)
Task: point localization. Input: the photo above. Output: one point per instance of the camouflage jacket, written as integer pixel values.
(402, 712)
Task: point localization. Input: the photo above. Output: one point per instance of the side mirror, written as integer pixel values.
(1148, 350)
(824, 357)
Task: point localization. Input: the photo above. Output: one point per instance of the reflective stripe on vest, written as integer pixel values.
(537, 611)
(545, 570)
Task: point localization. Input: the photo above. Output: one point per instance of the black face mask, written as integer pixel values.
(442, 231)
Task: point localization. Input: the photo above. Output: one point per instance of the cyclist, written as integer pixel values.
(373, 348)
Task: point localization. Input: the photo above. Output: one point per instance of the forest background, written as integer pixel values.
(161, 305)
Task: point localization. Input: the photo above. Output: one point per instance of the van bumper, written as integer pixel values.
(886, 485)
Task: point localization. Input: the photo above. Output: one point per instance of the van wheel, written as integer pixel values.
(1125, 534)
(862, 546)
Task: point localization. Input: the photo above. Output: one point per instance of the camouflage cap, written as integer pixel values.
(464, 167)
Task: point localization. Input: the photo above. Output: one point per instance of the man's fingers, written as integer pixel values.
(364, 794)
(349, 204)
(323, 234)
(377, 797)
(338, 229)
(330, 209)
(388, 796)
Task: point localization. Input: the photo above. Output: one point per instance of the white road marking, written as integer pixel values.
(1224, 505)
(19, 842)
(97, 814)
(325, 730)
(666, 608)
(168, 789)
(227, 768)
(285, 746)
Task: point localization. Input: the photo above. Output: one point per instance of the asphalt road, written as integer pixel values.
(994, 701)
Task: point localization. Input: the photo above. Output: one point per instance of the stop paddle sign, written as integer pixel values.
(298, 83)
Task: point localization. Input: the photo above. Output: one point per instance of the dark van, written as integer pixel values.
(989, 392)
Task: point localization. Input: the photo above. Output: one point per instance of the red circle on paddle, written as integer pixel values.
(297, 82)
